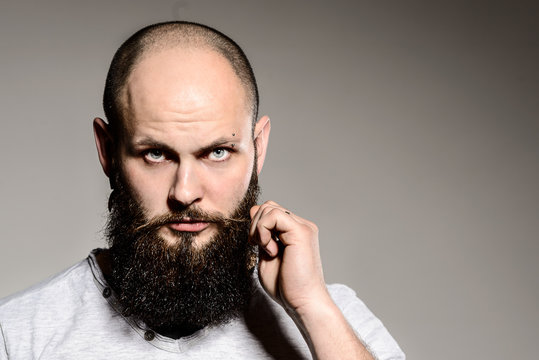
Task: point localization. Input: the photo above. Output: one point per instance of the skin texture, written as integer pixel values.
(178, 103)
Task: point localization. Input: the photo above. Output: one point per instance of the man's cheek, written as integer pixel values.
(149, 199)
(229, 185)
(237, 193)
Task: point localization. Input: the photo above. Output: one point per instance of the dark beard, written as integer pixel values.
(180, 285)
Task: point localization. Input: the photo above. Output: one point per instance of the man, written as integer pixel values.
(195, 269)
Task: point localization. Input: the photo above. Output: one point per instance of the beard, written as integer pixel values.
(180, 285)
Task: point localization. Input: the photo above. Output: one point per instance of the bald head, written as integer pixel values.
(163, 36)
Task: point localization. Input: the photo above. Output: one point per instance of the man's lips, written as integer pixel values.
(189, 225)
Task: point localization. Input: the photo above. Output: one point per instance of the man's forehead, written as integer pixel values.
(193, 84)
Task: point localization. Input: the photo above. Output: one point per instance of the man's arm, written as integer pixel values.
(290, 271)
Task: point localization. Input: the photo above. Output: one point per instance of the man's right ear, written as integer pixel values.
(104, 144)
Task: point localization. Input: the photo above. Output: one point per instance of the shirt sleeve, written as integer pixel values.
(370, 330)
(3, 346)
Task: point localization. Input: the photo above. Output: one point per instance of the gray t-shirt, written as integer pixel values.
(75, 315)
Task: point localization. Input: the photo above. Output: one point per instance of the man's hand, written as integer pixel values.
(290, 270)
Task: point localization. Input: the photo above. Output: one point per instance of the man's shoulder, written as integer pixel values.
(52, 292)
(65, 313)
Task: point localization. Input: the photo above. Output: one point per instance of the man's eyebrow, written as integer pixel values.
(215, 144)
(152, 143)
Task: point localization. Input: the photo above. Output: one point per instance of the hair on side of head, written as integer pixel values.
(169, 34)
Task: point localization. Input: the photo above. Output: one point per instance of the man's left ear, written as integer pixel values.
(261, 134)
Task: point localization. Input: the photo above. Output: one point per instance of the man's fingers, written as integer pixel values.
(253, 210)
(269, 222)
(263, 236)
(260, 211)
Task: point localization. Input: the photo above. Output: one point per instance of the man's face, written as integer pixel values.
(188, 140)
(185, 178)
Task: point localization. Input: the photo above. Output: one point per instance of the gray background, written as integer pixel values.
(407, 130)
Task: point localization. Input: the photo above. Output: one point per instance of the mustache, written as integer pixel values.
(190, 215)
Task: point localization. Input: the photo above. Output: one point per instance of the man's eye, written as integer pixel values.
(154, 155)
(219, 154)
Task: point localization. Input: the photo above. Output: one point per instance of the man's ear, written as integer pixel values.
(261, 134)
(104, 144)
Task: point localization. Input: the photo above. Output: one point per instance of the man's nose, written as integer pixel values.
(186, 188)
